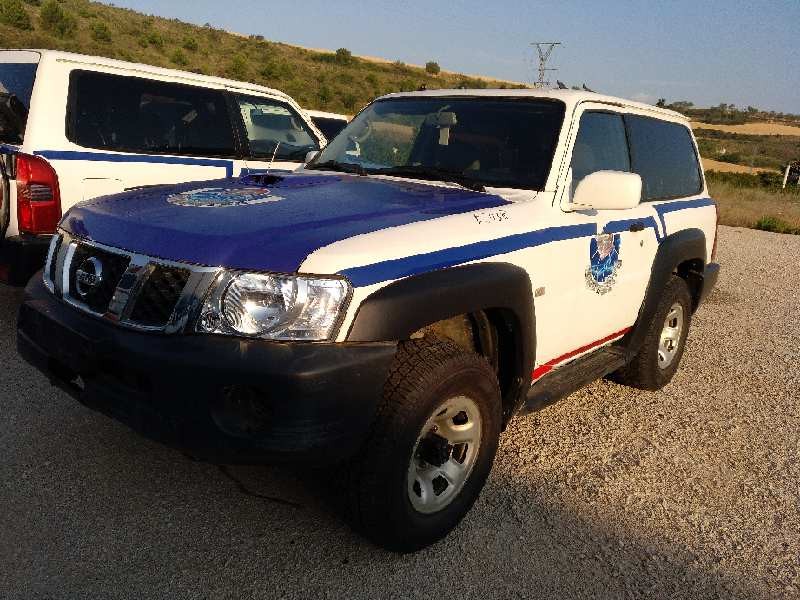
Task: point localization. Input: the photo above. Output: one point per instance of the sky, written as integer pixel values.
(745, 52)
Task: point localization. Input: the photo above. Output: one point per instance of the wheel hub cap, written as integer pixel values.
(444, 455)
(670, 339)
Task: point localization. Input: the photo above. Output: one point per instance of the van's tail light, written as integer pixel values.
(38, 196)
(716, 236)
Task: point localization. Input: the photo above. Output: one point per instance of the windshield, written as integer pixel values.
(16, 85)
(487, 141)
(273, 128)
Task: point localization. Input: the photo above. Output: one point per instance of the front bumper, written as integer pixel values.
(21, 256)
(220, 398)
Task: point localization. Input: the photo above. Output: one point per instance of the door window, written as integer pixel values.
(113, 112)
(664, 155)
(601, 145)
(274, 128)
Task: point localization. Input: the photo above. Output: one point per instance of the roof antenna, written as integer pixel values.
(272, 160)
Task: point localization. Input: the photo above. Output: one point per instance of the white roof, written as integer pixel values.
(569, 97)
(149, 69)
(326, 115)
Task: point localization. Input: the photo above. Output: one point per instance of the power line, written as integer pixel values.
(544, 49)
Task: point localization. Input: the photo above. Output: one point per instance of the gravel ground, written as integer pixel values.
(691, 492)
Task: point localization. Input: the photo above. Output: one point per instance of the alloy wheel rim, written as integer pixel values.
(670, 338)
(444, 455)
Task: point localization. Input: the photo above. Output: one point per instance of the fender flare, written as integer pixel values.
(399, 309)
(677, 248)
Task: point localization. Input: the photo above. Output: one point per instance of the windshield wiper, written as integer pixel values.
(335, 165)
(433, 174)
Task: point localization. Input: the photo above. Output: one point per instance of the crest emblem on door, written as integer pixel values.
(604, 262)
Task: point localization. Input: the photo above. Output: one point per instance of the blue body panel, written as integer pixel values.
(301, 214)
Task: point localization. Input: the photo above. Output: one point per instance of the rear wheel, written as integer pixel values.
(431, 448)
(658, 359)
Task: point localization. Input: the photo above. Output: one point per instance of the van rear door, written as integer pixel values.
(17, 75)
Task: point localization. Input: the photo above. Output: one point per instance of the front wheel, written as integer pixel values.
(431, 447)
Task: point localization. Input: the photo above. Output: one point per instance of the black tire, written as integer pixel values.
(425, 373)
(644, 371)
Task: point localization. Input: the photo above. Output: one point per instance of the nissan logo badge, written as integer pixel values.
(89, 276)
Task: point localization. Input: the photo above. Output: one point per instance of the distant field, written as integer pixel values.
(725, 167)
(752, 128)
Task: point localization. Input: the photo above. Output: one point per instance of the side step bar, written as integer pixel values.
(573, 376)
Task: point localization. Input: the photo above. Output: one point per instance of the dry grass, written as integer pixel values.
(745, 207)
(761, 128)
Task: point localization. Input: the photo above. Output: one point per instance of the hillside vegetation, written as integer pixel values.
(335, 81)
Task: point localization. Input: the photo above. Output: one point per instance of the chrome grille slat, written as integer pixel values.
(176, 299)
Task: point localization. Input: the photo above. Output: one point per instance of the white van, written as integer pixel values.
(74, 127)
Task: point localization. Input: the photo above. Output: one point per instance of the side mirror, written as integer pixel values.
(607, 190)
(311, 155)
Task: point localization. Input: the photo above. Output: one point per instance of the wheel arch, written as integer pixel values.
(500, 293)
(682, 253)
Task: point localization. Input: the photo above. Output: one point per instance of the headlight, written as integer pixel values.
(279, 307)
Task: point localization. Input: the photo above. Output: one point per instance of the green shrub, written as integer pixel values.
(349, 100)
(775, 225)
(324, 94)
(154, 39)
(344, 56)
(275, 69)
(179, 58)
(56, 20)
(100, 32)
(237, 68)
(13, 13)
(432, 67)
(190, 44)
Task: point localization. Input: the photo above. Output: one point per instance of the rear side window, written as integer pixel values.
(16, 86)
(275, 129)
(664, 155)
(601, 145)
(113, 112)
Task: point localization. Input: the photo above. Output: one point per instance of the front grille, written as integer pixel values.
(96, 298)
(131, 289)
(159, 295)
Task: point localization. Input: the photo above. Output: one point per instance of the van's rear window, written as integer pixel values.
(16, 86)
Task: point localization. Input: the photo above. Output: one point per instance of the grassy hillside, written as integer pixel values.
(324, 80)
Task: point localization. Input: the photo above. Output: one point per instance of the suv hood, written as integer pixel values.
(262, 222)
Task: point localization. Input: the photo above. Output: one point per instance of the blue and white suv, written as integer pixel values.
(450, 260)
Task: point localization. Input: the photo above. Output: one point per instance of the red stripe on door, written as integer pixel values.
(544, 369)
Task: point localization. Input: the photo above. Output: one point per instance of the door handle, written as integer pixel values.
(637, 226)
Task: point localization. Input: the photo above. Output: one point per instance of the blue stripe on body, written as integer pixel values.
(137, 158)
(449, 257)
(413, 265)
(669, 207)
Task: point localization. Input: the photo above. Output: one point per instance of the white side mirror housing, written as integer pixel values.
(311, 155)
(607, 190)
